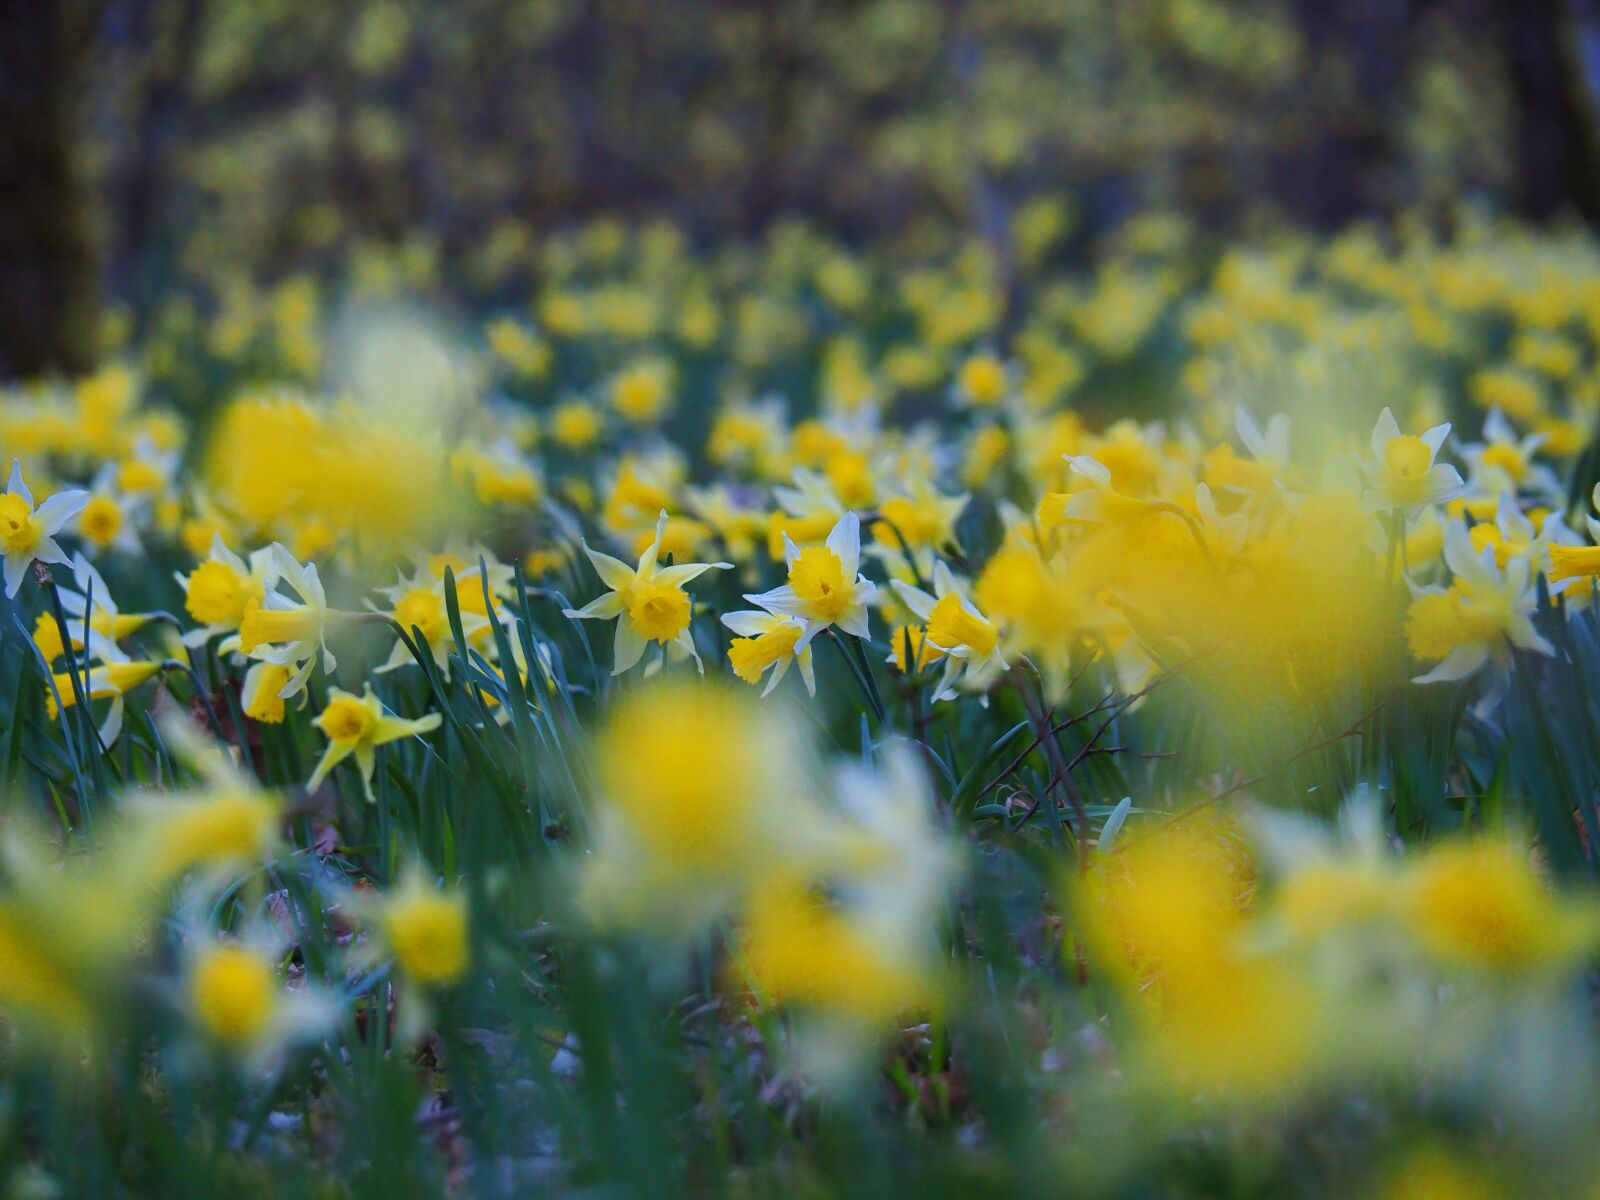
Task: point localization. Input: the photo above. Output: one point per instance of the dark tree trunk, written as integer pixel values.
(1550, 44)
(47, 257)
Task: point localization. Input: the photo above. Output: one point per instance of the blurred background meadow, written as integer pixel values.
(1160, 436)
(159, 150)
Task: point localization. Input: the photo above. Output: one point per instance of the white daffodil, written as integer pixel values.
(768, 641)
(358, 725)
(825, 587)
(106, 619)
(648, 601)
(969, 641)
(1403, 475)
(224, 589)
(1503, 461)
(1477, 619)
(110, 678)
(109, 518)
(28, 533)
(291, 632)
(1269, 447)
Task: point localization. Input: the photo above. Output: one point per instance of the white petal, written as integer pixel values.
(808, 670)
(854, 622)
(1462, 662)
(16, 567)
(113, 723)
(1443, 482)
(1384, 432)
(627, 649)
(750, 624)
(682, 574)
(1434, 438)
(845, 541)
(1091, 469)
(59, 509)
(1244, 423)
(613, 572)
(49, 550)
(779, 600)
(600, 608)
(685, 641)
(914, 598)
(15, 486)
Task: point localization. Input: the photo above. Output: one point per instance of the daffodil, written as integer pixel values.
(982, 381)
(1479, 618)
(1403, 475)
(425, 928)
(28, 533)
(967, 640)
(107, 621)
(648, 602)
(418, 602)
(358, 725)
(108, 519)
(809, 510)
(261, 695)
(1099, 503)
(825, 586)
(1269, 447)
(222, 823)
(1573, 562)
(918, 519)
(768, 642)
(1503, 461)
(1479, 904)
(239, 1003)
(282, 631)
(224, 589)
(109, 679)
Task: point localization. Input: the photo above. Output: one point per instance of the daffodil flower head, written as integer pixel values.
(108, 518)
(1505, 461)
(954, 627)
(1098, 503)
(426, 928)
(283, 631)
(238, 1002)
(1269, 446)
(1477, 904)
(111, 678)
(768, 642)
(700, 791)
(233, 991)
(1404, 475)
(28, 533)
(224, 589)
(825, 585)
(107, 622)
(647, 600)
(358, 725)
(1570, 561)
(1476, 620)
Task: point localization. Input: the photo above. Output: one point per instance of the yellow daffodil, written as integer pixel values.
(1403, 475)
(28, 533)
(223, 590)
(647, 601)
(358, 725)
(1478, 618)
(967, 641)
(289, 632)
(768, 642)
(825, 586)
